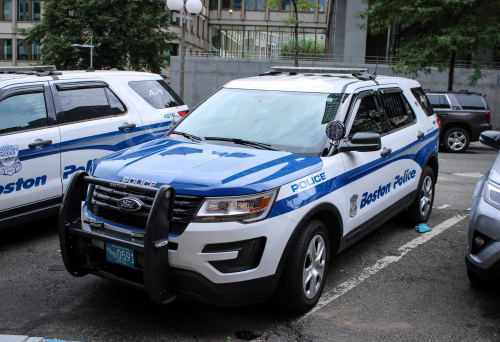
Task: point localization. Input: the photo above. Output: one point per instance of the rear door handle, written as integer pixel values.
(385, 152)
(126, 126)
(40, 142)
(420, 135)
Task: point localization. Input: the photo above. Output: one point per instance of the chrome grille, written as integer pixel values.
(103, 204)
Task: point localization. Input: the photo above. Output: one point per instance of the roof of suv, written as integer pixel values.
(6, 79)
(314, 83)
(459, 92)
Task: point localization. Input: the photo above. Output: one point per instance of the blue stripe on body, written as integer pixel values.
(310, 195)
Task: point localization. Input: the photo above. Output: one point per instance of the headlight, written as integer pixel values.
(245, 209)
(492, 193)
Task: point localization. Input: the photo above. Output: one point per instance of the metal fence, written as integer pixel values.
(262, 54)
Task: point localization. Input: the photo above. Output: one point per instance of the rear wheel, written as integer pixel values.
(456, 140)
(303, 277)
(420, 210)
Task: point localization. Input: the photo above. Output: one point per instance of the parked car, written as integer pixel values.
(463, 115)
(247, 197)
(55, 123)
(483, 247)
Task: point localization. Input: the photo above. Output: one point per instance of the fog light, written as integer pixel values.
(479, 241)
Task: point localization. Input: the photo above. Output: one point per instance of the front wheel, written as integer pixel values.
(456, 140)
(420, 210)
(303, 277)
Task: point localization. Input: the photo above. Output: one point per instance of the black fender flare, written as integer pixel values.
(293, 237)
(431, 155)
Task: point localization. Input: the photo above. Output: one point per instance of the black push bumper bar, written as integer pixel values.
(76, 238)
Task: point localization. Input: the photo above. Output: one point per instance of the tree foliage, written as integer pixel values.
(296, 6)
(446, 30)
(305, 46)
(126, 33)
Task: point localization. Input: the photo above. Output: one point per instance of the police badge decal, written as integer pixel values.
(9, 160)
(354, 206)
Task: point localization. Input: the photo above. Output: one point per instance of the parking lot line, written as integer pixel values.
(352, 282)
(444, 206)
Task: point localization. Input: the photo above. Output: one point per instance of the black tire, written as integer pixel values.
(462, 140)
(290, 293)
(415, 215)
(475, 279)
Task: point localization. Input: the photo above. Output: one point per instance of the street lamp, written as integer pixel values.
(193, 7)
(91, 46)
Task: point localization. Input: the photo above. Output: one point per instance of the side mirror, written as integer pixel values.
(362, 142)
(490, 138)
(335, 130)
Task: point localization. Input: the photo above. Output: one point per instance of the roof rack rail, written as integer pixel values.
(48, 73)
(316, 70)
(270, 73)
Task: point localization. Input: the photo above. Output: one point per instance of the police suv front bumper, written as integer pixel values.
(83, 248)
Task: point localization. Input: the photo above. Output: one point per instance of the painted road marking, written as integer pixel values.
(444, 206)
(469, 174)
(349, 284)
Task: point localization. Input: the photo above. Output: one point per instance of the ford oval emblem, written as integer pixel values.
(130, 204)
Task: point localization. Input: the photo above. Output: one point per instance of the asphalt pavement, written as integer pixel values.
(394, 285)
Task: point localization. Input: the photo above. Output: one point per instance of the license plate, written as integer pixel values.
(120, 255)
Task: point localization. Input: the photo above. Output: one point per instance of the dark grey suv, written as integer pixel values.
(463, 115)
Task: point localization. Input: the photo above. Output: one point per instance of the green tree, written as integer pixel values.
(296, 6)
(305, 46)
(445, 30)
(126, 33)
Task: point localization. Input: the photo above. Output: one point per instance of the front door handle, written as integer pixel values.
(385, 152)
(39, 143)
(420, 135)
(126, 125)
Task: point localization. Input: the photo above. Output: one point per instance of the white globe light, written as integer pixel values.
(194, 6)
(175, 5)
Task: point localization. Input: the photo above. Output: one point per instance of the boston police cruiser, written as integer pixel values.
(247, 198)
(54, 123)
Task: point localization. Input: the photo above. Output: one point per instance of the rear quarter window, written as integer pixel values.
(471, 102)
(157, 93)
(423, 101)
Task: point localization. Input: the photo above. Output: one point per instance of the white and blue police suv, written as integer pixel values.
(55, 123)
(247, 198)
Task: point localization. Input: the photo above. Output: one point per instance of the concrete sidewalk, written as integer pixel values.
(476, 145)
(21, 338)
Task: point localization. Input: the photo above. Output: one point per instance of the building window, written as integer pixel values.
(322, 6)
(28, 52)
(28, 10)
(214, 4)
(5, 9)
(6, 49)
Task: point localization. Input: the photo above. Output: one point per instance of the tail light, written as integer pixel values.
(439, 122)
(489, 116)
(183, 113)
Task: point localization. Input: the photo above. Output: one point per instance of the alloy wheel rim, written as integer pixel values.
(314, 266)
(426, 196)
(456, 140)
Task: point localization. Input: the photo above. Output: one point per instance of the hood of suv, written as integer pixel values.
(206, 169)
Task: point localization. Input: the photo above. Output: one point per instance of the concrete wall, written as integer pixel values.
(204, 76)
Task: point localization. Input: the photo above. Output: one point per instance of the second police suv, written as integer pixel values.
(247, 198)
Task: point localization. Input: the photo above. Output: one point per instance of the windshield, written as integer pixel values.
(289, 121)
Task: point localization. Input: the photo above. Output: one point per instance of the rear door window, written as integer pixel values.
(423, 101)
(439, 101)
(157, 93)
(23, 112)
(471, 102)
(397, 110)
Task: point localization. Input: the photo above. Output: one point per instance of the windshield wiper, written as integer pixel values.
(244, 142)
(193, 138)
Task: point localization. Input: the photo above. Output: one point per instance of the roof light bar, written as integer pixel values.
(315, 70)
(26, 69)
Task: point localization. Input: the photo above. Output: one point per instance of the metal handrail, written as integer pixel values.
(318, 57)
